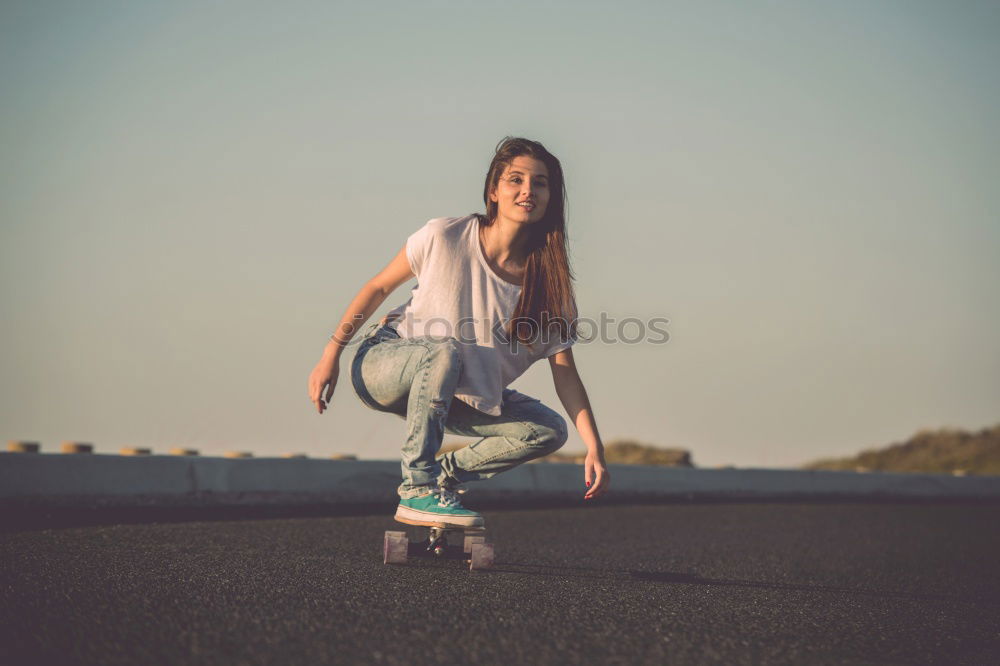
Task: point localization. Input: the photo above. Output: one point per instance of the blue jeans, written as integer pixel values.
(415, 379)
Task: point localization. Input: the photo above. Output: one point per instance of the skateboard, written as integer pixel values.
(441, 542)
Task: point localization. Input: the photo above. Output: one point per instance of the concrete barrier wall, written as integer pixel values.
(124, 480)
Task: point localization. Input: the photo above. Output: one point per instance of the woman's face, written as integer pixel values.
(522, 195)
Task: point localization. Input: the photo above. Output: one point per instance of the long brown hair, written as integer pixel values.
(547, 305)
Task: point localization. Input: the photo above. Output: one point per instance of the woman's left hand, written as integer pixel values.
(595, 473)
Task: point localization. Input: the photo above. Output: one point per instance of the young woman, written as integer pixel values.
(494, 295)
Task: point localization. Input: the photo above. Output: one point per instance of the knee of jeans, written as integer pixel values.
(553, 435)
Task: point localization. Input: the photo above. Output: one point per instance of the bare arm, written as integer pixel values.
(368, 299)
(573, 395)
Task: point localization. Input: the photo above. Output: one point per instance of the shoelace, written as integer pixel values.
(448, 497)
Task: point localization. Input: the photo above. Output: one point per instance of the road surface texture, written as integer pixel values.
(719, 583)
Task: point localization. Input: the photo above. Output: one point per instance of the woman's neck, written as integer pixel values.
(504, 244)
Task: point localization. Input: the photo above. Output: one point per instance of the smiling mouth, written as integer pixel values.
(528, 207)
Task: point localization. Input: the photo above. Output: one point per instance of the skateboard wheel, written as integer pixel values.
(396, 548)
(469, 540)
(481, 556)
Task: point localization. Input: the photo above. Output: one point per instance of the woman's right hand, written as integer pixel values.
(323, 378)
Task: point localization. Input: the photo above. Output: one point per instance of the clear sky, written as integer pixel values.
(191, 193)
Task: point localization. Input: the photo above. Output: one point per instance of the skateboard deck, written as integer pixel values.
(439, 541)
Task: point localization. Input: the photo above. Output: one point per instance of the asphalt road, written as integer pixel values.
(678, 584)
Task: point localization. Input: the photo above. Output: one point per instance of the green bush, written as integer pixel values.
(942, 451)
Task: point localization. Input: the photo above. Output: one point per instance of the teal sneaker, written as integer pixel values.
(438, 508)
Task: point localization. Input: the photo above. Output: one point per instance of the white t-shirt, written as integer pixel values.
(456, 284)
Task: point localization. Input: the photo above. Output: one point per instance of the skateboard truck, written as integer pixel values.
(475, 551)
(437, 541)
